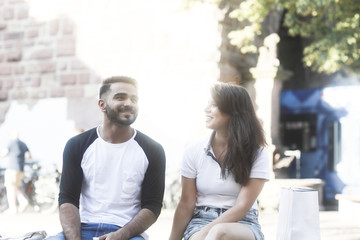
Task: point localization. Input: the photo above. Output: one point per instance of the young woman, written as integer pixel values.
(223, 175)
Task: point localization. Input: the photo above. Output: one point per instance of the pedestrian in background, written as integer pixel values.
(16, 152)
(113, 176)
(223, 175)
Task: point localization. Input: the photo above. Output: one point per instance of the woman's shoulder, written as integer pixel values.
(262, 152)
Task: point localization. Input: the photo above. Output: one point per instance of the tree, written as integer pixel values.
(332, 26)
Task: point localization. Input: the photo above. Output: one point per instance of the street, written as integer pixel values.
(333, 225)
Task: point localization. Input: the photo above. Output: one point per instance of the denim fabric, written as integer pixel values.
(90, 230)
(204, 215)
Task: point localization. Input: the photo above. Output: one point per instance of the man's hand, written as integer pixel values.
(108, 236)
(4, 152)
(142, 221)
(118, 235)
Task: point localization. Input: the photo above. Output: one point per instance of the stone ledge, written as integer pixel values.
(349, 206)
(270, 196)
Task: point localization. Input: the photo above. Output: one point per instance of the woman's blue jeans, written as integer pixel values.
(90, 230)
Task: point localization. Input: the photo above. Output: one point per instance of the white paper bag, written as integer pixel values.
(298, 214)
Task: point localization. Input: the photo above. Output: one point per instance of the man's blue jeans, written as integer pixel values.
(90, 230)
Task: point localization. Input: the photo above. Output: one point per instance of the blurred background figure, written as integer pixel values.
(16, 152)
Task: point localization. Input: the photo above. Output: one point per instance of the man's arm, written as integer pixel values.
(28, 155)
(70, 221)
(142, 221)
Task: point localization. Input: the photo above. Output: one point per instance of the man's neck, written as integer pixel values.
(116, 134)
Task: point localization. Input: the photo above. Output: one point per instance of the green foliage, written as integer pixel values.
(332, 26)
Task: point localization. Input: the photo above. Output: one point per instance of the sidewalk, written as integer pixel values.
(333, 226)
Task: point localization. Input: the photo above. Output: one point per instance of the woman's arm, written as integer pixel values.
(246, 198)
(184, 209)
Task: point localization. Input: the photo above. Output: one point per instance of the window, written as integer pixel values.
(298, 131)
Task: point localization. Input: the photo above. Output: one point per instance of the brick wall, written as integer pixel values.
(38, 59)
(51, 66)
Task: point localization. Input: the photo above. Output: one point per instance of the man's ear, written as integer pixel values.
(102, 105)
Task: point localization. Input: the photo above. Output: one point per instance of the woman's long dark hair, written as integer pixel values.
(245, 131)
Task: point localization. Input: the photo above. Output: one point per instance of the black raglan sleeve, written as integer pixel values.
(153, 186)
(72, 175)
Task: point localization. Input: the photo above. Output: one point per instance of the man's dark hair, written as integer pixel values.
(106, 84)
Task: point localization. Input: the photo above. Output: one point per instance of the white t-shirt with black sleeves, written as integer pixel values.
(199, 163)
(110, 183)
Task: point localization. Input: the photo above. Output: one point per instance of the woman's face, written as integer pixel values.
(215, 119)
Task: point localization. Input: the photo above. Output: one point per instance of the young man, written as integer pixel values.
(17, 151)
(113, 176)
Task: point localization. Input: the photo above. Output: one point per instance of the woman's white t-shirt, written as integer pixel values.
(199, 163)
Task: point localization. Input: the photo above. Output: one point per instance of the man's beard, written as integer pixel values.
(113, 116)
